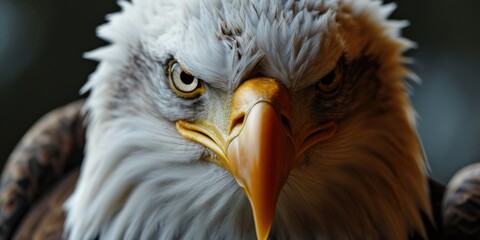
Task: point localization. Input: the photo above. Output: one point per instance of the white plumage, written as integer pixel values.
(141, 179)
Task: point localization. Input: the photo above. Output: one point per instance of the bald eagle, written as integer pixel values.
(218, 119)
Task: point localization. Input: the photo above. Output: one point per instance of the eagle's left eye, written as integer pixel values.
(183, 83)
(330, 82)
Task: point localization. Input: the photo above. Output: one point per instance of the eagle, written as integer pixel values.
(229, 119)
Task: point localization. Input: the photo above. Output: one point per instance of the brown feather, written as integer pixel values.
(45, 219)
(48, 151)
(461, 204)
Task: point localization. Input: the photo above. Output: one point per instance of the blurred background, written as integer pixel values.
(41, 68)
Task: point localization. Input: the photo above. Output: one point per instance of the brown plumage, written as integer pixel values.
(461, 205)
(51, 148)
(46, 217)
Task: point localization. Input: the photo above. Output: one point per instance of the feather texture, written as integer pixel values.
(142, 180)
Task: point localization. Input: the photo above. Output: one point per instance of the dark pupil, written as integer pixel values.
(187, 79)
(327, 80)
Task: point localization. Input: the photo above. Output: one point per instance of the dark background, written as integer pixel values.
(41, 68)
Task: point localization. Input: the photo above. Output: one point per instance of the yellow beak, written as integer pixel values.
(260, 150)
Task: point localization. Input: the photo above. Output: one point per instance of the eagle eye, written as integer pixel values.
(330, 82)
(183, 83)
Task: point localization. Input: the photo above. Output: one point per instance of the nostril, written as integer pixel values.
(237, 122)
(286, 122)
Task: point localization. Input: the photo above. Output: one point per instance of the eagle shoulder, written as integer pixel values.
(47, 152)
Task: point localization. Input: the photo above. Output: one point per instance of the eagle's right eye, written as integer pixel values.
(183, 83)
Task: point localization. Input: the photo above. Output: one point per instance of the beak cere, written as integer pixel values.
(260, 150)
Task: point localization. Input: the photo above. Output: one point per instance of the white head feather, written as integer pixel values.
(142, 180)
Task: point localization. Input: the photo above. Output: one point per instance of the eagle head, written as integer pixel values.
(220, 119)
